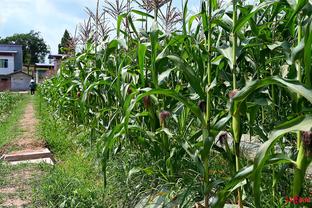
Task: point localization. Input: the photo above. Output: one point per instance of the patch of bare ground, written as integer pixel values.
(15, 203)
(16, 189)
(8, 190)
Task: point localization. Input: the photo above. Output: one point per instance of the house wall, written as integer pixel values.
(41, 75)
(57, 64)
(10, 69)
(20, 82)
(5, 84)
(18, 60)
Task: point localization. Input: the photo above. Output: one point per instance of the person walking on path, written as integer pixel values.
(32, 86)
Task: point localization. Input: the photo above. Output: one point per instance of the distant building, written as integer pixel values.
(43, 71)
(11, 65)
(11, 58)
(57, 59)
(20, 81)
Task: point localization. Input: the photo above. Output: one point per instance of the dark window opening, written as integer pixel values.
(4, 63)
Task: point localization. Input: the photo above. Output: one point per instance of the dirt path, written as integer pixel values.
(28, 140)
(16, 181)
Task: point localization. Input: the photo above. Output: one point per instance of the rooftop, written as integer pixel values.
(8, 51)
(44, 65)
(51, 56)
(11, 45)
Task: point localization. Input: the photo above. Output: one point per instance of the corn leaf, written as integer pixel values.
(190, 75)
(302, 123)
(291, 85)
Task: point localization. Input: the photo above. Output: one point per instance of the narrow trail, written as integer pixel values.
(16, 181)
(27, 141)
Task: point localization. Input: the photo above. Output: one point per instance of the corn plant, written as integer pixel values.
(7, 102)
(227, 71)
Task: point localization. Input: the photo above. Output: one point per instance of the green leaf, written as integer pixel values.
(154, 37)
(253, 86)
(141, 59)
(292, 3)
(280, 158)
(245, 18)
(112, 46)
(129, 106)
(302, 123)
(222, 122)
(204, 17)
(278, 44)
(214, 4)
(190, 75)
(119, 20)
(307, 55)
(132, 26)
(222, 195)
(227, 52)
(92, 86)
(142, 13)
(241, 177)
(184, 16)
(298, 7)
(191, 20)
(296, 52)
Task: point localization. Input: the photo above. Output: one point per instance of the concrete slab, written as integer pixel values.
(20, 156)
(38, 156)
(41, 160)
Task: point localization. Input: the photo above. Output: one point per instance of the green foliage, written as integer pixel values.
(7, 101)
(67, 44)
(70, 185)
(72, 182)
(34, 47)
(169, 100)
(11, 109)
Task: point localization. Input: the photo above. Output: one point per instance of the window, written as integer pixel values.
(3, 63)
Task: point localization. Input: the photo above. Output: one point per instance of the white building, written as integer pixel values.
(7, 62)
(11, 65)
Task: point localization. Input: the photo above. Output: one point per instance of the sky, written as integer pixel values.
(49, 17)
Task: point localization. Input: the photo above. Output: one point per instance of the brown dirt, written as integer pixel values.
(15, 202)
(18, 191)
(8, 190)
(25, 174)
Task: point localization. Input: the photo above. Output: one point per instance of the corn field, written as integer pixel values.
(183, 88)
(7, 103)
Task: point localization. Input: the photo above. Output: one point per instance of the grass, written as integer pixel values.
(73, 181)
(9, 128)
(20, 179)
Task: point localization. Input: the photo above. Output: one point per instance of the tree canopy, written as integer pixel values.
(67, 45)
(34, 47)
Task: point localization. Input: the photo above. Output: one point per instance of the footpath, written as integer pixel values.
(21, 165)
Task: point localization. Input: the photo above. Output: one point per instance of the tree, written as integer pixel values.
(34, 47)
(67, 45)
